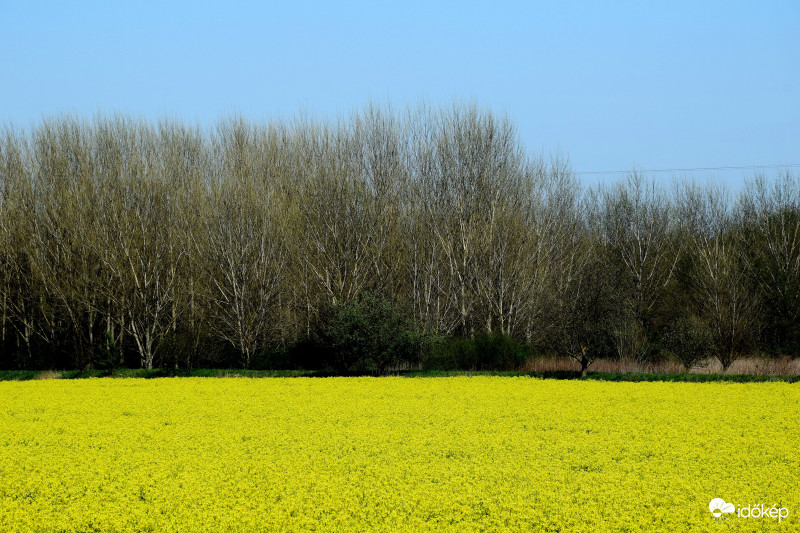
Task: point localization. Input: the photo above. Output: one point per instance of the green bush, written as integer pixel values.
(689, 341)
(368, 335)
(105, 354)
(493, 351)
(274, 358)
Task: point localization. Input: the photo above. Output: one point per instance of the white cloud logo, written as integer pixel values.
(718, 507)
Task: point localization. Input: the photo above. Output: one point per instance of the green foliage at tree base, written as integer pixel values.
(492, 351)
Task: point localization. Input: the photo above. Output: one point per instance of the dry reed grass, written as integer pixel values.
(756, 366)
(49, 374)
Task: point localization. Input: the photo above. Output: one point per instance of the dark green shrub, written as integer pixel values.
(368, 335)
(273, 358)
(689, 340)
(493, 351)
(500, 352)
(105, 354)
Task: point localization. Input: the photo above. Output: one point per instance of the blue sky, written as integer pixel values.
(613, 84)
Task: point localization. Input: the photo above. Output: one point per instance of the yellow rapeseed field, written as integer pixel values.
(396, 454)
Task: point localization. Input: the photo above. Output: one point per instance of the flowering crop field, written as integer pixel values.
(396, 454)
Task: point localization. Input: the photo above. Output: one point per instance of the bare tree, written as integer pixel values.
(429, 278)
(477, 165)
(638, 228)
(339, 231)
(719, 274)
(578, 314)
(239, 245)
(771, 236)
(63, 259)
(137, 243)
(19, 298)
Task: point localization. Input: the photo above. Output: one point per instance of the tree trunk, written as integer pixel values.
(584, 361)
(3, 320)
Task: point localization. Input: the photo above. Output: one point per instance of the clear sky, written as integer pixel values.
(656, 85)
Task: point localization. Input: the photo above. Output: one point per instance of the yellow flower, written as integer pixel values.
(390, 454)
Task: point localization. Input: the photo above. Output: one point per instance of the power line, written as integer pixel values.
(696, 169)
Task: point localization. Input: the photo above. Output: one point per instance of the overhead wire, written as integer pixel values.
(695, 169)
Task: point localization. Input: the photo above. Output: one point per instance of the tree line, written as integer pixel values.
(128, 242)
